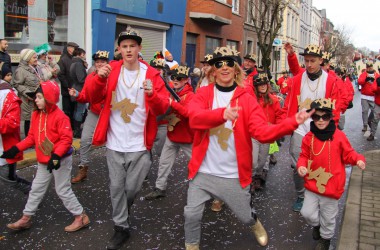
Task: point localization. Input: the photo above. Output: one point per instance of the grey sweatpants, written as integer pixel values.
(159, 141)
(260, 157)
(127, 172)
(375, 120)
(367, 105)
(295, 150)
(62, 178)
(168, 156)
(86, 138)
(204, 187)
(321, 211)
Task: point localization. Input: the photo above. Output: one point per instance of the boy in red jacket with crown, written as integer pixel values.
(324, 152)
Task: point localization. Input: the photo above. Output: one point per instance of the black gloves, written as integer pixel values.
(54, 163)
(10, 153)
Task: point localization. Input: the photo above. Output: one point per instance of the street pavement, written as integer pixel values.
(158, 224)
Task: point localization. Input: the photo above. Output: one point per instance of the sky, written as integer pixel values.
(361, 18)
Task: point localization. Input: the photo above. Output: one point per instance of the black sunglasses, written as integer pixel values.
(229, 63)
(176, 78)
(325, 117)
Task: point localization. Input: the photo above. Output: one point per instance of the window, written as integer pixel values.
(211, 44)
(233, 44)
(235, 6)
(36, 21)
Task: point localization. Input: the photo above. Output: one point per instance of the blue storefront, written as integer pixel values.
(160, 23)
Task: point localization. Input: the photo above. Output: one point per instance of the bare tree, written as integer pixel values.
(267, 18)
(342, 48)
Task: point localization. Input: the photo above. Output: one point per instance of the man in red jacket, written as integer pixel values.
(225, 117)
(307, 86)
(179, 135)
(127, 125)
(376, 116)
(366, 80)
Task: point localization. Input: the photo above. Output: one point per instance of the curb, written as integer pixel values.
(349, 237)
(30, 156)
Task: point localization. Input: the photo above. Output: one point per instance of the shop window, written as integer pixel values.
(211, 44)
(35, 22)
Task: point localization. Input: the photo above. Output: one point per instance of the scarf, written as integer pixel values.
(325, 134)
(314, 76)
(226, 89)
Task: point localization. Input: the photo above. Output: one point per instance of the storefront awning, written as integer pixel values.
(211, 17)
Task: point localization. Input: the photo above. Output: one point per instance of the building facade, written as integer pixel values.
(211, 24)
(30, 23)
(159, 22)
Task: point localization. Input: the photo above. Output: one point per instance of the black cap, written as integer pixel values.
(181, 71)
(261, 79)
(324, 104)
(129, 34)
(251, 57)
(101, 55)
(207, 58)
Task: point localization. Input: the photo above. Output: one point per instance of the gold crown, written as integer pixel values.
(208, 57)
(263, 75)
(326, 55)
(159, 62)
(252, 57)
(184, 70)
(226, 51)
(102, 53)
(313, 48)
(129, 31)
(325, 103)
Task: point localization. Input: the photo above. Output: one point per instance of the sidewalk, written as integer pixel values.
(30, 155)
(361, 221)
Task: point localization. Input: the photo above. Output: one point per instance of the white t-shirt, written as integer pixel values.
(3, 96)
(122, 136)
(310, 90)
(219, 162)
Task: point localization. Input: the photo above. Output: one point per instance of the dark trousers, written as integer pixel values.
(26, 127)
(68, 106)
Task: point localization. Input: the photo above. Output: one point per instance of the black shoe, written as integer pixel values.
(316, 233)
(323, 244)
(120, 236)
(156, 193)
(272, 160)
(364, 128)
(370, 137)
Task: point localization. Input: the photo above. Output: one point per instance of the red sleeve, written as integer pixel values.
(65, 136)
(294, 66)
(158, 101)
(182, 106)
(262, 131)
(95, 92)
(10, 120)
(343, 95)
(362, 78)
(200, 114)
(277, 111)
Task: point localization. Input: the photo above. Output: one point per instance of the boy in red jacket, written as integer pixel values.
(179, 134)
(366, 80)
(51, 135)
(325, 151)
(10, 131)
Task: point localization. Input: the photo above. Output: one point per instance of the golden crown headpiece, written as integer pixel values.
(261, 78)
(324, 104)
(252, 57)
(312, 49)
(326, 55)
(158, 62)
(101, 54)
(208, 57)
(369, 64)
(225, 51)
(182, 70)
(131, 34)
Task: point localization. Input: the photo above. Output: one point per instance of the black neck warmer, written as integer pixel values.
(314, 76)
(226, 89)
(248, 71)
(325, 134)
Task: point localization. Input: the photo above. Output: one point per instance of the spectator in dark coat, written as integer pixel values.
(65, 79)
(4, 56)
(78, 75)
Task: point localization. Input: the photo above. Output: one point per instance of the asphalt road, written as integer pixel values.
(158, 224)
